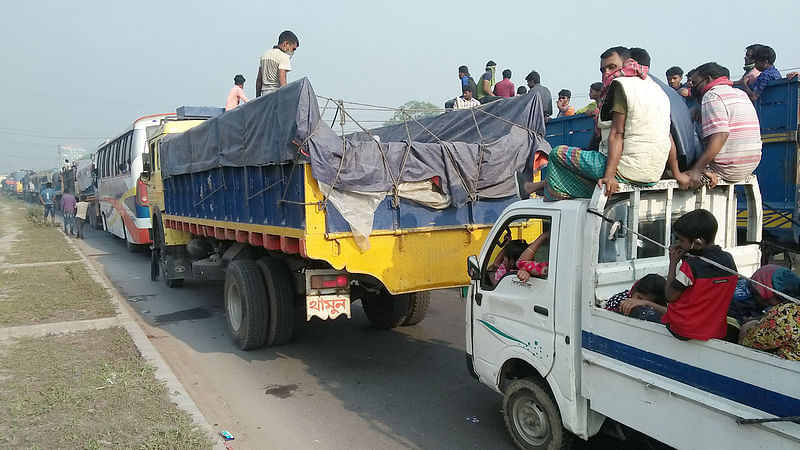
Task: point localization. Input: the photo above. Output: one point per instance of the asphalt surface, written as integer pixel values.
(338, 385)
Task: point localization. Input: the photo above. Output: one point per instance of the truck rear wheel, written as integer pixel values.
(418, 305)
(385, 310)
(246, 304)
(532, 417)
(280, 298)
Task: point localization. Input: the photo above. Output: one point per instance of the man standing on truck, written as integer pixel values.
(535, 86)
(236, 94)
(276, 63)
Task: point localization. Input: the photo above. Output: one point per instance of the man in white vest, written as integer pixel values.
(634, 125)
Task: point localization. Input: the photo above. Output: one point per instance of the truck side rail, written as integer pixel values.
(680, 382)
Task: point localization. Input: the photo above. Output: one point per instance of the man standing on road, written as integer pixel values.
(68, 208)
(46, 197)
(275, 63)
(80, 217)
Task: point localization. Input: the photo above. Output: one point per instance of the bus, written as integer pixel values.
(122, 198)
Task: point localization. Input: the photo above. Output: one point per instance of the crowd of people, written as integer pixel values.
(701, 298)
(637, 134)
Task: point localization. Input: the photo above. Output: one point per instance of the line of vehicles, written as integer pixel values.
(564, 365)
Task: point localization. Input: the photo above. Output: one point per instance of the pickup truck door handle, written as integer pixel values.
(541, 310)
(478, 298)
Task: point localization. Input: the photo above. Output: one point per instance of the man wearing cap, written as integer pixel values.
(236, 94)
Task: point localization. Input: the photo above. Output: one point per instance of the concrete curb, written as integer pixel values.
(40, 264)
(45, 329)
(163, 372)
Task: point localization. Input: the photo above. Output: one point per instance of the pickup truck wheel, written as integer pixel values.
(384, 310)
(246, 304)
(532, 417)
(174, 283)
(280, 298)
(418, 305)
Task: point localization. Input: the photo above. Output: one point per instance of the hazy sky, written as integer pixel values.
(78, 72)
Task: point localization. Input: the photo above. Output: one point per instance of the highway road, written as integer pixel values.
(339, 385)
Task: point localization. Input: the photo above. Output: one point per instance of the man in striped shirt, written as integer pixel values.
(731, 132)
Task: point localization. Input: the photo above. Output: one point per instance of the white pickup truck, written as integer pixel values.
(564, 364)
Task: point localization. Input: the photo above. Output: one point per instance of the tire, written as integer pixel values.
(98, 224)
(418, 305)
(280, 297)
(159, 248)
(155, 263)
(91, 217)
(385, 311)
(173, 283)
(532, 417)
(133, 248)
(246, 304)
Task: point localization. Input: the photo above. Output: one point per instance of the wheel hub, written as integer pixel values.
(233, 304)
(531, 422)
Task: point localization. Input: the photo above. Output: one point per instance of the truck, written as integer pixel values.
(565, 365)
(300, 221)
(79, 178)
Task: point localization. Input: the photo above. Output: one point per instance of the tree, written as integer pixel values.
(415, 109)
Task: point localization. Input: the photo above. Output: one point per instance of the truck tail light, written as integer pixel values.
(329, 281)
(141, 193)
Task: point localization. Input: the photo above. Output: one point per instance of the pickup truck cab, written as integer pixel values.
(564, 364)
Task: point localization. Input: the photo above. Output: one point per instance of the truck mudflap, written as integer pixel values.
(327, 294)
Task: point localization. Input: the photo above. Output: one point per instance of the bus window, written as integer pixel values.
(126, 152)
(117, 157)
(101, 162)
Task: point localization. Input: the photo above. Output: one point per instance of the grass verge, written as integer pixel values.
(36, 241)
(57, 293)
(87, 390)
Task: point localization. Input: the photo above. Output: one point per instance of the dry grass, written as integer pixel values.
(87, 390)
(31, 295)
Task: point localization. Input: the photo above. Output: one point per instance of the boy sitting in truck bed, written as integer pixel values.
(698, 292)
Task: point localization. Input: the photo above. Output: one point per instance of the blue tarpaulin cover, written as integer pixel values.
(473, 152)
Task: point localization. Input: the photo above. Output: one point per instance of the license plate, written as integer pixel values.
(327, 306)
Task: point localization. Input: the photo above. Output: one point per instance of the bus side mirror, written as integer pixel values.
(473, 269)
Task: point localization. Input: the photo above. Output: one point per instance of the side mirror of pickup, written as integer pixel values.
(473, 268)
(146, 162)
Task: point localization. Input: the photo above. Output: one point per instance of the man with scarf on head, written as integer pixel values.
(731, 131)
(635, 141)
